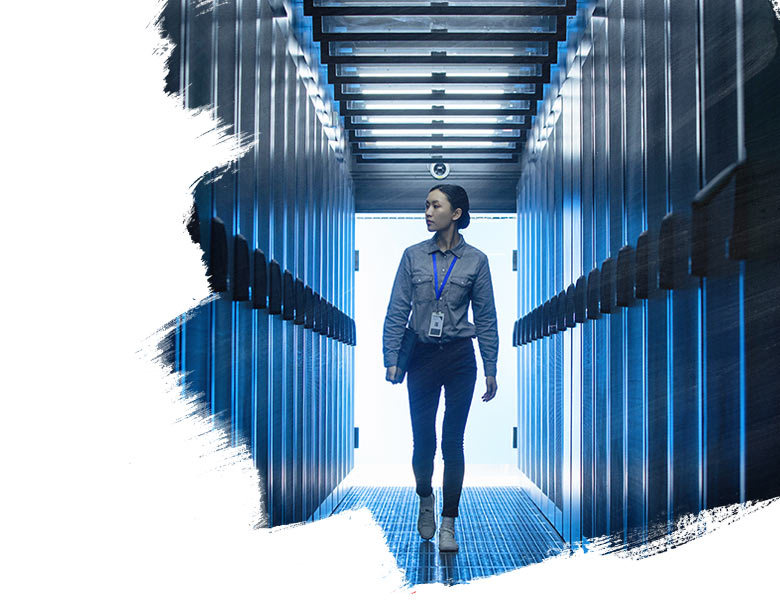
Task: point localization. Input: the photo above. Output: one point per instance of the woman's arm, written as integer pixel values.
(398, 310)
(486, 323)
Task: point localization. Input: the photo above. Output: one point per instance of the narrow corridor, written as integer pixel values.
(634, 142)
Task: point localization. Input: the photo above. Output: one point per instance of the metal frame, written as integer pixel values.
(437, 151)
(543, 78)
(436, 125)
(437, 61)
(439, 9)
(441, 35)
(437, 57)
(443, 112)
(362, 160)
(537, 95)
(521, 137)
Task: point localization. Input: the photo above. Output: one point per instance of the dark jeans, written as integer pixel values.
(432, 366)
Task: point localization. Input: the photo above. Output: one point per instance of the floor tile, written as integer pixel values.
(498, 530)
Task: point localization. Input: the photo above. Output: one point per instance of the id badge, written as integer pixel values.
(437, 324)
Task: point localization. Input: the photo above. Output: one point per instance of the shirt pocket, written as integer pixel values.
(460, 290)
(422, 288)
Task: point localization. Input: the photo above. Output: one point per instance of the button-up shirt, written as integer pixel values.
(413, 290)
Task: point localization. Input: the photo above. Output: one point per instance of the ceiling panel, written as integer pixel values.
(420, 82)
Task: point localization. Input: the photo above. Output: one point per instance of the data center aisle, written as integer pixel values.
(499, 529)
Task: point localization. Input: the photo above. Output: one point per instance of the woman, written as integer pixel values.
(436, 280)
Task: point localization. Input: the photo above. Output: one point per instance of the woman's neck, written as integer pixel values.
(447, 239)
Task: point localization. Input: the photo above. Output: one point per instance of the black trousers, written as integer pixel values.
(452, 365)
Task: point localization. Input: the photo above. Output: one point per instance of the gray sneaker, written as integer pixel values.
(426, 521)
(447, 542)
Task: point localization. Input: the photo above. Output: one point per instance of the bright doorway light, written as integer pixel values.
(382, 409)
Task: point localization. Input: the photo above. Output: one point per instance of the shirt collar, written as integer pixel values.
(457, 250)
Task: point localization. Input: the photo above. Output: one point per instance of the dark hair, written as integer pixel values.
(458, 199)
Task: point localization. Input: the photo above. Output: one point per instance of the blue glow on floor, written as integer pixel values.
(498, 530)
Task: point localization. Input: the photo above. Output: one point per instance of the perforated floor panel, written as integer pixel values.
(498, 530)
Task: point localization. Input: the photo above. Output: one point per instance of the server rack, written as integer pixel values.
(641, 170)
(273, 371)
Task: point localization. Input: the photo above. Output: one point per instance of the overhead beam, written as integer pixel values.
(441, 9)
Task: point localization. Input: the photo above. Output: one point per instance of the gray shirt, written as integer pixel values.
(413, 290)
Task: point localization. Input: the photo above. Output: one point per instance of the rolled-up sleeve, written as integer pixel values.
(397, 311)
(485, 320)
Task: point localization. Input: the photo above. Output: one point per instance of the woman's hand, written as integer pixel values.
(492, 388)
(391, 374)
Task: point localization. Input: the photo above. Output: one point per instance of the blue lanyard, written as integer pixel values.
(436, 287)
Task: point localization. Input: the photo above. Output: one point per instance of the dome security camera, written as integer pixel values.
(439, 170)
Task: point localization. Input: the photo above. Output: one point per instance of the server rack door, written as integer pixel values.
(264, 226)
(297, 169)
(545, 347)
(761, 476)
(536, 374)
(541, 365)
(329, 356)
(334, 243)
(656, 66)
(587, 141)
(722, 308)
(685, 463)
(308, 346)
(316, 285)
(341, 377)
(602, 250)
(633, 120)
(556, 343)
(276, 338)
(351, 350)
(223, 199)
(525, 460)
(286, 165)
(195, 77)
(322, 341)
(576, 333)
(518, 312)
(522, 392)
(523, 370)
(246, 198)
(616, 240)
(565, 249)
(343, 246)
(548, 347)
(336, 434)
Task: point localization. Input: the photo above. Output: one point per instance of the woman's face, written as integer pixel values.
(438, 211)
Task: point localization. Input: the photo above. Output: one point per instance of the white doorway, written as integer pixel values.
(381, 409)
